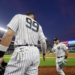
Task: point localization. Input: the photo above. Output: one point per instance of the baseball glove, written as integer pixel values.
(62, 64)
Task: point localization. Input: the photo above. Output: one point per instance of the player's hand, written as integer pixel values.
(43, 57)
(65, 59)
(1, 59)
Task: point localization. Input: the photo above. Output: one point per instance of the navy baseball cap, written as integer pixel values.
(55, 39)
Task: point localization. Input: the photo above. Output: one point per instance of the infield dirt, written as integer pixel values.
(51, 70)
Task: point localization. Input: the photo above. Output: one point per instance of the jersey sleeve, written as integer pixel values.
(41, 34)
(65, 47)
(13, 24)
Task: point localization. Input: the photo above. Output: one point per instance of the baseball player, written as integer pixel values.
(25, 59)
(61, 53)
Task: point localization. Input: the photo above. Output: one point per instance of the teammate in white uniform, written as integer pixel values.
(25, 59)
(61, 53)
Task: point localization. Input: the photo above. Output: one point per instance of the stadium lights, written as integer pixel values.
(2, 29)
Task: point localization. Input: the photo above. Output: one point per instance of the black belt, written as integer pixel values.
(60, 57)
(25, 45)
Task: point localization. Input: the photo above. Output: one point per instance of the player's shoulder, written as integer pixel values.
(21, 15)
(18, 14)
(25, 16)
(40, 26)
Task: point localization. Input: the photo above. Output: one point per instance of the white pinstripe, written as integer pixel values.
(26, 64)
(60, 52)
(23, 34)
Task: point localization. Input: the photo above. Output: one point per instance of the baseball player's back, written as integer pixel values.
(27, 30)
(26, 58)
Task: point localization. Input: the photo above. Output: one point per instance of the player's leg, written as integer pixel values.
(14, 67)
(33, 69)
(24, 65)
(59, 70)
(17, 67)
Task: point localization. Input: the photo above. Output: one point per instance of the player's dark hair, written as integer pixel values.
(29, 13)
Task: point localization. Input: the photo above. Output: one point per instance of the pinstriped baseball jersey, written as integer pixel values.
(27, 30)
(25, 59)
(60, 49)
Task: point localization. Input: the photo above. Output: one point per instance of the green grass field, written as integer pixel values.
(49, 61)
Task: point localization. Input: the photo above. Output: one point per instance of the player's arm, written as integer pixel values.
(5, 42)
(43, 46)
(6, 39)
(66, 54)
(50, 51)
(42, 41)
(66, 51)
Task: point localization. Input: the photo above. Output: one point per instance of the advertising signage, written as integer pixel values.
(65, 42)
(71, 42)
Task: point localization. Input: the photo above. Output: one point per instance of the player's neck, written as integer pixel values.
(31, 17)
(57, 43)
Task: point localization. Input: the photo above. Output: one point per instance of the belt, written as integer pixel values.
(25, 45)
(60, 57)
